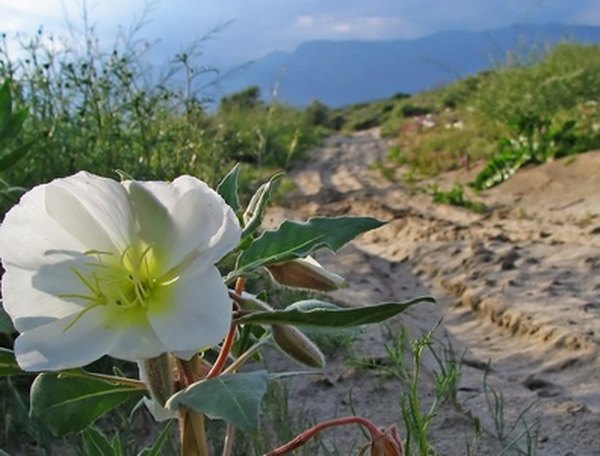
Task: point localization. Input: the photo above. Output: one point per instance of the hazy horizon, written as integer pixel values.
(252, 29)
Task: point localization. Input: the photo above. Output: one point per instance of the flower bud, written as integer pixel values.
(249, 301)
(297, 346)
(156, 374)
(305, 273)
(387, 443)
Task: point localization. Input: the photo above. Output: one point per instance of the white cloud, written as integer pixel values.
(305, 22)
(328, 26)
(342, 28)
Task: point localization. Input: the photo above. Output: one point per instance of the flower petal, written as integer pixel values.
(95, 210)
(206, 225)
(201, 221)
(200, 314)
(155, 226)
(31, 297)
(52, 347)
(66, 343)
(47, 242)
(137, 342)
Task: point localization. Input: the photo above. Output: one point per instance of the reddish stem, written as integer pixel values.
(301, 439)
(219, 364)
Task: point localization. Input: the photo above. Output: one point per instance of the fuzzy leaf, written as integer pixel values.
(319, 314)
(70, 404)
(228, 188)
(234, 398)
(258, 204)
(297, 240)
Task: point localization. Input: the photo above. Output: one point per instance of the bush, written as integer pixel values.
(411, 110)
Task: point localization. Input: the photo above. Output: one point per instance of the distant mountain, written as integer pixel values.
(344, 72)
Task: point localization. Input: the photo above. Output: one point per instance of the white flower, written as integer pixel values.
(96, 267)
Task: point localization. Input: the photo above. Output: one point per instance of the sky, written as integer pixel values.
(249, 29)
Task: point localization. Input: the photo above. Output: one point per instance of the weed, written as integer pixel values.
(507, 433)
(405, 363)
(456, 197)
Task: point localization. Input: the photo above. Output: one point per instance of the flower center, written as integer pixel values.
(129, 283)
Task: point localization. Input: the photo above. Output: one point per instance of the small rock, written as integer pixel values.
(507, 261)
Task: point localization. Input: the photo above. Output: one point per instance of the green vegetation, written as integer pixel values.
(531, 109)
(455, 197)
(101, 109)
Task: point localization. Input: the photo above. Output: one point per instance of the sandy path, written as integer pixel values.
(518, 288)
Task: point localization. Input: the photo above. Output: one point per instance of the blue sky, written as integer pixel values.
(259, 26)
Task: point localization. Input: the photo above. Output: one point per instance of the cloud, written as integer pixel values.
(371, 27)
(305, 22)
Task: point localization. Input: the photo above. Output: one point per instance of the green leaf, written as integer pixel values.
(95, 443)
(5, 104)
(319, 314)
(228, 188)
(296, 240)
(258, 204)
(499, 169)
(159, 443)
(6, 325)
(8, 159)
(8, 363)
(12, 125)
(234, 398)
(70, 404)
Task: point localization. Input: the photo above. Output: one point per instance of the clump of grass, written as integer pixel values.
(518, 437)
(456, 197)
(404, 363)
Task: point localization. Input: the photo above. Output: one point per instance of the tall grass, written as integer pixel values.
(545, 85)
(104, 108)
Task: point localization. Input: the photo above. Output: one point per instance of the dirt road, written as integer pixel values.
(518, 292)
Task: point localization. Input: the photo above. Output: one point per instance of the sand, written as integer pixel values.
(518, 292)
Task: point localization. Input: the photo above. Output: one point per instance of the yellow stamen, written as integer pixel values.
(127, 284)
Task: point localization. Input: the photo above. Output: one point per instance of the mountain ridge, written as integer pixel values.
(338, 73)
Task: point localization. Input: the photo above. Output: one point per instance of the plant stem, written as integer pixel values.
(191, 423)
(228, 343)
(191, 433)
(228, 441)
(303, 438)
